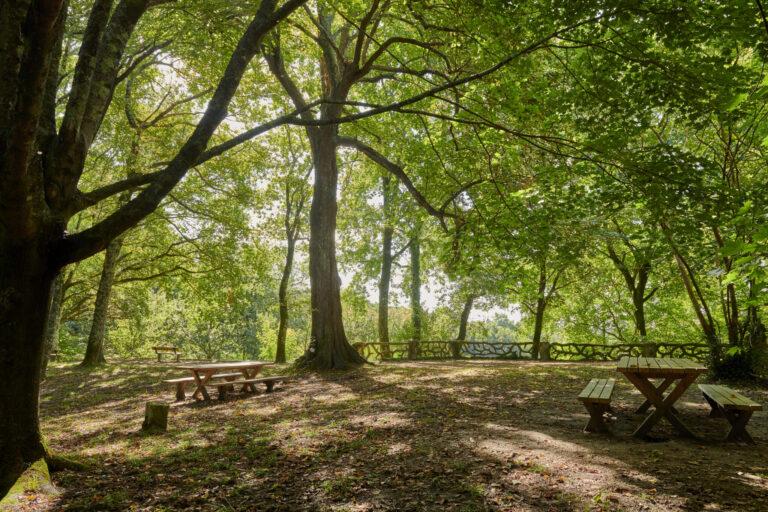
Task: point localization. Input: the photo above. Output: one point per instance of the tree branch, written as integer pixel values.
(94, 239)
(397, 171)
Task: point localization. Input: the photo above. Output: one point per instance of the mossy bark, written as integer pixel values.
(155, 417)
(36, 478)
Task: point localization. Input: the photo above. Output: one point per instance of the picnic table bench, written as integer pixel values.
(596, 397)
(182, 382)
(167, 350)
(224, 377)
(736, 408)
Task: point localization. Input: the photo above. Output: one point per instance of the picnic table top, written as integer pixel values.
(657, 365)
(234, 365)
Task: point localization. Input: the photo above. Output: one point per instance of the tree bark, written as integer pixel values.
(94, 352)
(385, 278)
(416, 312)
(698, 301)
(25, 287)
(53, 321)
(329, 347)
(464, 321)
(282, 293)
(637, 282)
(699, 307)
(639, 298)
(731, 314)
(541, 305)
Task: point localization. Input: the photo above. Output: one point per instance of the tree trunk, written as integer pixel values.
(53, 321)
(328, 348)
(415, 250)
(283, 298)
(731, 314)
(26, 282)
(94, 353)
(462, 337)
(639, 306)
(638, 303)
(700, 308)
(541, 305)
(386, 268)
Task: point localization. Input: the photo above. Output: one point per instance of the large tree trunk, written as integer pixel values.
(329, 348)
(541, 305)
(282, 293)
(94, 353)
(415, 249)
(462, 337)
(25, 287)
(385, 278)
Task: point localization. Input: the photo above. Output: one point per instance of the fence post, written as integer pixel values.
(544, 351)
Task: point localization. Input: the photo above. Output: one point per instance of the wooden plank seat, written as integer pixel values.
(734, 407)
(181, 383)
(167, 350)
(596, 397)
(248, 384)
(271, 381)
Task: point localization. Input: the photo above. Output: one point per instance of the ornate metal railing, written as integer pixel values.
(439, 349)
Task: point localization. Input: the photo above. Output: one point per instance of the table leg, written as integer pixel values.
(663, 406)
(246, 375)
(201, 382)
(661, 389)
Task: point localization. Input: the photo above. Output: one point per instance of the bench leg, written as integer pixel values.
(596, 422)
(270, 385)
(715, 411)
(180, 395)
(158, 357)
(223, 391)
(738, 421)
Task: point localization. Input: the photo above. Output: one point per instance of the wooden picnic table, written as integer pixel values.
(203, 372)
(680, 372)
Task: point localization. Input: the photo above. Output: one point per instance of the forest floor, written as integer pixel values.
(442, 436)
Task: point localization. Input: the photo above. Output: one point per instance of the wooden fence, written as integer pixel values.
(438, 349)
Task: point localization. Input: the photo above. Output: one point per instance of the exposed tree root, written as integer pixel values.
(60, 463)
(36, 478)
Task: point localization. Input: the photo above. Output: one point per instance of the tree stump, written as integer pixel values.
(155, 417)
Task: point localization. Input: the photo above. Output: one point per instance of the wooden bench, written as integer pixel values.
(736, 408)
(269, 382)
(166, 350)
(596, 397)
(181, 383)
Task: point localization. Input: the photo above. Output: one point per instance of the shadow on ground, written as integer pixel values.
(463, 436)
